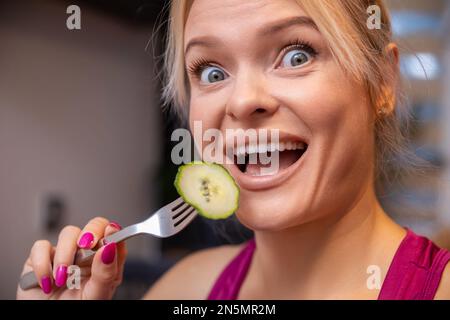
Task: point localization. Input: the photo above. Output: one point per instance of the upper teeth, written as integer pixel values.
(268, 147)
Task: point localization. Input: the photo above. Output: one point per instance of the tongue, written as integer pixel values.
(286, 159)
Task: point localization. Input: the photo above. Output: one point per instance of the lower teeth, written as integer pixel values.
(285, 160)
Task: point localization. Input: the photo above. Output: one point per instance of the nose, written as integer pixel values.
(250, 98)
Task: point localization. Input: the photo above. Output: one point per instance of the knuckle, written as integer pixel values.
(99, 222)
(40, 265)
(69, 230)
(40, 244)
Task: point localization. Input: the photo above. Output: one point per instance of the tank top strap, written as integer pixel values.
(228, 284)
(435, 275)
(415, 271)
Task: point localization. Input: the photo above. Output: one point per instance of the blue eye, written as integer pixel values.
(295, 58)
(212, 74)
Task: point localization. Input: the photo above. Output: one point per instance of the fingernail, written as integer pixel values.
(61, 276)
(86, 240)
(109, 253)
(46, 283)
(115, 225)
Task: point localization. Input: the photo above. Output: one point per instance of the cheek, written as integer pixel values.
(334, 108)
(337, 113)
(200, 112)
(326, 99)
(203, 115)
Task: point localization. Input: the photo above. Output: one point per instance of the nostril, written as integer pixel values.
(260, 110)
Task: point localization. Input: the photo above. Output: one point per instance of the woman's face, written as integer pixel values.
(264, 65)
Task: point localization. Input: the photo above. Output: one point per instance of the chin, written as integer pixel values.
(271, 211)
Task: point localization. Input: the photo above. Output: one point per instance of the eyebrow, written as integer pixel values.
(275, 27)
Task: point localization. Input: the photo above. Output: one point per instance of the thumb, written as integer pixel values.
(103, 280)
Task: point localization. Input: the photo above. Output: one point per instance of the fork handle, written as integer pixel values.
(83, 257)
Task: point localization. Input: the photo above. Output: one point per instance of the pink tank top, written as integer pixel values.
(414, 273)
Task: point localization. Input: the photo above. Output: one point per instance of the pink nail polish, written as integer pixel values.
(86, 240)
(46, 283)
(109, 253)
(115, 225)
(61, 276)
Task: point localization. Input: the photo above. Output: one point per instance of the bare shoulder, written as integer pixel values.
(193, 276)
(443, 292)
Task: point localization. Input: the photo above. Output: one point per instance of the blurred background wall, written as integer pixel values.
(82, 133)
(79, 126)
(422, 200)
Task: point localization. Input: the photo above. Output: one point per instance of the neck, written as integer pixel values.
(327, 256)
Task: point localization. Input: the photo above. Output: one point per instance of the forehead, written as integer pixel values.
(215, 17)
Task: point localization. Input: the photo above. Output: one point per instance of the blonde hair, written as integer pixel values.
(358, 50)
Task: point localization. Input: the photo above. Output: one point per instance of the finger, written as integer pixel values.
(28, 265)
(113, 227)
(41, 261)
(66, 249)
(104, 270)
(92, 232)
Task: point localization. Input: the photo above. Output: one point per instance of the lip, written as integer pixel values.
(257, 183)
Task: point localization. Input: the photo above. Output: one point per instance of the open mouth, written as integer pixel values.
(265, 159)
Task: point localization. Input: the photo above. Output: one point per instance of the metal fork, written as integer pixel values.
(166, 222)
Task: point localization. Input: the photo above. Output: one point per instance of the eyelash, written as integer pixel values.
(300, 44)
(197, 66)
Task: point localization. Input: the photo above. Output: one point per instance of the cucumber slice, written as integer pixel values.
(209, 188)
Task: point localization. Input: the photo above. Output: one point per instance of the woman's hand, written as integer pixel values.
(98, 281)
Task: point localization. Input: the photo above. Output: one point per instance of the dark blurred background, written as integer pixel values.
(82, 132)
